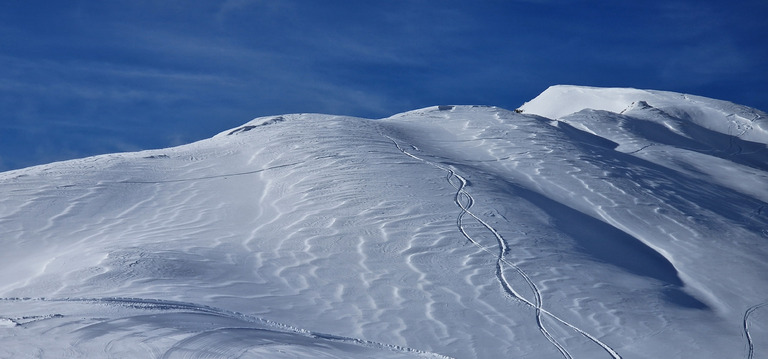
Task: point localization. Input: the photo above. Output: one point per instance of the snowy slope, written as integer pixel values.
(598, 223)
(721, 116)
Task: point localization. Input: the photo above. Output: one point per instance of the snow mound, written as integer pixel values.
(721, 116)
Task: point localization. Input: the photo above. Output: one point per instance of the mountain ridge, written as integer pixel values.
(722, 116)
(460, 231)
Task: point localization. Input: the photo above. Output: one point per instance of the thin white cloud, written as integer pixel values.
(46, 78)
(234, 6)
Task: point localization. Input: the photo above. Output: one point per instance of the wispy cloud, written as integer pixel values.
(229, 7)
(176, 70)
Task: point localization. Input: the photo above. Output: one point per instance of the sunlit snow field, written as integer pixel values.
(594, 223)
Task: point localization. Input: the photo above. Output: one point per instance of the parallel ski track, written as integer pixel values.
(206, 177)
(168, 305)
(464, 200)
(747, 314)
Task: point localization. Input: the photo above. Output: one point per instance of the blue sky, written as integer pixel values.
(79, 78)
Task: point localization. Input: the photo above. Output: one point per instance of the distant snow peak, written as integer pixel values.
(561, 100)
(725, 117)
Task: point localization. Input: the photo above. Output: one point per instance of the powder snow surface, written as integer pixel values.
(597, 223)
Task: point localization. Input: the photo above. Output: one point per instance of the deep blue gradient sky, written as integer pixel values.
(86, 77)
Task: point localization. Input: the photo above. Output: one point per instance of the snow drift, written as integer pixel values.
(597, 223)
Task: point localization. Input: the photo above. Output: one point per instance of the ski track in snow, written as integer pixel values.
(337, 226)
(465, 201)
(747, 334)
(210, 177)
(199, 339)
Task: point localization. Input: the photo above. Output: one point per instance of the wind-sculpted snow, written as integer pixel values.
(465, 201)
(133, 327)
(625, 228)
(718, 116)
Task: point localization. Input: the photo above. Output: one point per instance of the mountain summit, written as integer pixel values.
(594, 223)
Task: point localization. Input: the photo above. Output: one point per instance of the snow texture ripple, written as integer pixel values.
(589, 223)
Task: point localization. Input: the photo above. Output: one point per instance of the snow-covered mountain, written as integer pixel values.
(589, 223)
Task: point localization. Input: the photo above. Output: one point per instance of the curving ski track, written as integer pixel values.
(207, 177)
(747, 314)
(465, 201)
(271, 326)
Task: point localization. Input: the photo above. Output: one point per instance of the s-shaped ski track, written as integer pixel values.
(747, 314)
(464, 200)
